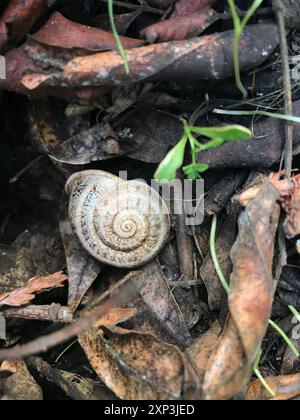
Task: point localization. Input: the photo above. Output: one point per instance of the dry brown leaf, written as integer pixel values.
(251, 296)
(196, 59)
(200, 351)
(17, 63)
(285, 388)
(138, 366)
(24, 295)
(99, 142)
(20, 385)
(62, 32)
(145, 135)
(177, 29)
(157, 295)
(290, 196)
(82, 268)
(289, 191)
(189, 18)
(17, 19)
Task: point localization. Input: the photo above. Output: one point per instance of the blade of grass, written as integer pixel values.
(294, 312)
(239, 26)
(65, 351)
(290, 118)
(260, 377)
(212, 243)
(116, 35)
(285, 337)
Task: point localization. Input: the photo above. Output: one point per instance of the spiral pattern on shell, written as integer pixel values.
(121, 223)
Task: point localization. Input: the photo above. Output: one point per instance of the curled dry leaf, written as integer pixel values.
(96, 143)
(292, 221)
(194, 59)
(177, 29)
(285, 388)
(145, 135)
(189, 18)
(24, 295)
(62, 32)
(20, 385)
(251, 296)
(290, 200)
(138, 366)
(17, 20)
(17, 63)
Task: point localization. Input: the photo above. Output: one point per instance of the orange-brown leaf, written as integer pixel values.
(24, 295)
(251, 296)
(138, 366)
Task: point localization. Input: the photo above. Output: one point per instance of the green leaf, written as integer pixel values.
(193, 171)
(166, 171)
(213, 144)
(226, 133)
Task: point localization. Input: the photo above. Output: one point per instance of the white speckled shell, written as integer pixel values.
(121, 223)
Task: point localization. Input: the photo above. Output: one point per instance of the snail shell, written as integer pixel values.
(121, 223)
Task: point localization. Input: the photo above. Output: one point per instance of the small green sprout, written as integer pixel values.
(116, 35)
(166, 171)
(239, 26)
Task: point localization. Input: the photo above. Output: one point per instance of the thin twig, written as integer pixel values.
(18, 175)
(44, 343)
(289, 130)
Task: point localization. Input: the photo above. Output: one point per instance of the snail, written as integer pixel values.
(120, 223)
